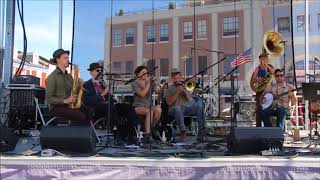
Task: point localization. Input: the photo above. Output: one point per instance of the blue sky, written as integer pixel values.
(41, 19)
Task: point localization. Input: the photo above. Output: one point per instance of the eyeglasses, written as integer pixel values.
(279, 75)
(98, 70)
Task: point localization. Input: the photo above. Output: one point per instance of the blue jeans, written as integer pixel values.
(192, 108)
(280, 112)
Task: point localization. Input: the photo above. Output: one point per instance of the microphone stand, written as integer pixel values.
(284, 57)
(137, 77)
(202, 74)
(218, 54)
(233, 119)
(110, 101)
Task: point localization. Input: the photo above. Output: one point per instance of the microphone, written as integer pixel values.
(283, 41)
(130, 81)
(153, 69)
(315, 58)
(99, 75)
(149, 72)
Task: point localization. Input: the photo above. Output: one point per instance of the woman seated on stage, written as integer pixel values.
(142, 88)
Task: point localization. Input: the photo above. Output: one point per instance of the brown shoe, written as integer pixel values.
(183, 135)
(201, 134)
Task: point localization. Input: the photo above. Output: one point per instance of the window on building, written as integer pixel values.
(129, 67)
(202, 63)
(151, 32)
(117, 68)
(202, 29)
(300, 23)
(151, 64)
(189, 66)
(129, 36)
(187, 30)
(283, 24)
(117, 37)
(164, 32)
(230, 26)
(227, 62)
(164, 67)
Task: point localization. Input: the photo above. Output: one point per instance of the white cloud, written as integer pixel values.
(43, 37)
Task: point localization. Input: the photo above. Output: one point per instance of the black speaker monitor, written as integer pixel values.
(252, 140)
(79, 139)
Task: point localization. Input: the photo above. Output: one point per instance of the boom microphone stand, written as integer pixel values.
(202, 85)
(110, 101)
(233, 119)
(219, 53)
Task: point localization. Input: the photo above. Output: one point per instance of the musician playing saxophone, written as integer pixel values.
(284, 104)
(182, 103)
(58, 91)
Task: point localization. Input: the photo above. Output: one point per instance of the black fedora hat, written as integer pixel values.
(57, 54)
(94, 66)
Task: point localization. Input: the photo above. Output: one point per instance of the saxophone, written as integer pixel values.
(77, 88)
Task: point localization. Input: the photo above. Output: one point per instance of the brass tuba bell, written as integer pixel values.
(273, 43)
(190, 85)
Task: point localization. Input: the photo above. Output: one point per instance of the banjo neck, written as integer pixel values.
(285, 93)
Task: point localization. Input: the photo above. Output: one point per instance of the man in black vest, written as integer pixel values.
(96, 95)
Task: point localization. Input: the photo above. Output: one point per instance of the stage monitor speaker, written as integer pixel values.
(252, 140)
(26, 79)
(78, 139)
(8, 140)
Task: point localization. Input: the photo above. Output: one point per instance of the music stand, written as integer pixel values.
(311, 91)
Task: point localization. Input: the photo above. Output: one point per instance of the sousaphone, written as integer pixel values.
(273, 46)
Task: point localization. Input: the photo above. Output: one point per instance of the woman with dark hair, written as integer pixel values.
(142, 89)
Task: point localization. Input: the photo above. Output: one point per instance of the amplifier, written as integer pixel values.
(252, 140)
(79, 139)
(26, 79)
(23, 95)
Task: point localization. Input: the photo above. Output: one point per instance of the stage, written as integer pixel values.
(239, 167)
(190, 160)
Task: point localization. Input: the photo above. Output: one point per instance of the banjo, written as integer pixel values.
(269, 98)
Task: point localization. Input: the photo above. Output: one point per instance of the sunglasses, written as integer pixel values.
(98, 70)
(279, 75)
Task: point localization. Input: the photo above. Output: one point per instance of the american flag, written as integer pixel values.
(243, 57)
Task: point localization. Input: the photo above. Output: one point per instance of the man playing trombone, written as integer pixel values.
(181, 103)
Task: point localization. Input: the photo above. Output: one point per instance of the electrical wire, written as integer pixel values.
(73, 23)
(25, 42)
(292, 45)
